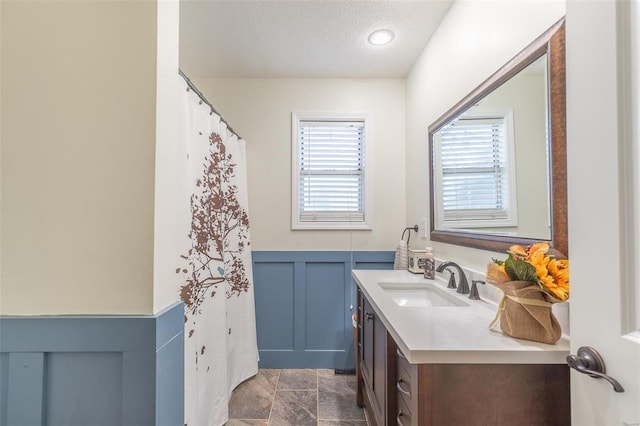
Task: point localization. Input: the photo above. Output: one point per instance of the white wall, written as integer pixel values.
(474, 40)
(78, 157)
(169, 184)
(525, 94)
(260, 111)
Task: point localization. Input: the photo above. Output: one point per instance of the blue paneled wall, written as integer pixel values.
(304, 303)
(129, 370)
(93, 370)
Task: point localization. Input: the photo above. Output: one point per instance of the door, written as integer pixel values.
(603, 94)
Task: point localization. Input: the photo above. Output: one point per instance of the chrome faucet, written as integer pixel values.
(463, 287)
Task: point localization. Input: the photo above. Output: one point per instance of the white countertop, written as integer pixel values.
(450, 335)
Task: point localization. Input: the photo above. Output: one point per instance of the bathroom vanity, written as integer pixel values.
(427, 357)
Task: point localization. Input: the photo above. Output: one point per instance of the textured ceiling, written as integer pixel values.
(303, 38)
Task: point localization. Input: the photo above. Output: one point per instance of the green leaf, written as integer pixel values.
(520, 270)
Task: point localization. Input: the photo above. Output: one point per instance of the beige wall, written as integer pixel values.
(474, 40)
(260, 111)
(78, 157)
(1, 115)
(79, 144)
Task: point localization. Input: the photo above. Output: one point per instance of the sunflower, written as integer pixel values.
(537, 262)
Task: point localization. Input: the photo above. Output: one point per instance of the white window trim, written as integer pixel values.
(512, 219)
(296, 224)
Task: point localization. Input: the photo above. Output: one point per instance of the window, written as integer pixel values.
(473, 158)
(328, 183)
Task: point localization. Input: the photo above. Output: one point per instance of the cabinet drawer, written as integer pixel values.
(407, 375)
(404, 415)
(406, 391)
(403, 383)
(402, 360)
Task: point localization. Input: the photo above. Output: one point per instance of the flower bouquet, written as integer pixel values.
(532, 280)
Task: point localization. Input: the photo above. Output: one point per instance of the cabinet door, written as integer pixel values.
(358, 348)
(373, 362)
(366, 360)
(380, 369)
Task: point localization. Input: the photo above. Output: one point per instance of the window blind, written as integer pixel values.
(331, 160)
(475, 181)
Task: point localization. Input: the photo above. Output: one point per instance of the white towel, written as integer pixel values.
(402, 258)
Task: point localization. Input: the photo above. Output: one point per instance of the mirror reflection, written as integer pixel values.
(498, 157)
(491, 162)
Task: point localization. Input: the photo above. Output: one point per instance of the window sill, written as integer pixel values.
(330, 226)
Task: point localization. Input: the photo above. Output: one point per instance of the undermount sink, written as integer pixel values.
(420, 295)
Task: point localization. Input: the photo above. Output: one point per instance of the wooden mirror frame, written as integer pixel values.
(551, 42)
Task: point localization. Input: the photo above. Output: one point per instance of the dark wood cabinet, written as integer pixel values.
(373, 365)
(375, 351)
(482, 394)
(398, 393)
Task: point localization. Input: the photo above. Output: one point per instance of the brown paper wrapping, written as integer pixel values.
(525, 313)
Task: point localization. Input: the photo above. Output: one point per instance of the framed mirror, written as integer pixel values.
(498, 157)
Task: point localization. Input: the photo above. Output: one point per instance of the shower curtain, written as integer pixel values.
(214, 265)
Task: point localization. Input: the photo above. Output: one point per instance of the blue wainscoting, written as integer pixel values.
(93, 370)
(303, 305)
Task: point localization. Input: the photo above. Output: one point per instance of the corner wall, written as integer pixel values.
(86, 88)
(485, 35)
(303, 277)
(170, 147)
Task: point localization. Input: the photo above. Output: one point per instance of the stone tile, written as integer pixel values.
(247, 422)
(342, 423)
(252, 399)
(337, 397)
(298, 379)
(294, 408)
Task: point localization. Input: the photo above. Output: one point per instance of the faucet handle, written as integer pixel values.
(452, 279)
(473, 295)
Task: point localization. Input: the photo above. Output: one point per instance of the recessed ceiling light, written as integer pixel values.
(381, 37)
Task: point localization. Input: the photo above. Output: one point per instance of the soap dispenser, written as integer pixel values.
(429, 264)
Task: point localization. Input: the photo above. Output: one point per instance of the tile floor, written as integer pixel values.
(296, 397)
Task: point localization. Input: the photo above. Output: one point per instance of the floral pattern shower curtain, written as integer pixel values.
(215, 267)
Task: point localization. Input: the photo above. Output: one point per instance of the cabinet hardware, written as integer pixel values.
(588, 361)
(369, 316)
(400, 414)
(399, 386)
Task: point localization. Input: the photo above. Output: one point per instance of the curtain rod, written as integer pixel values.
(203, 99)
